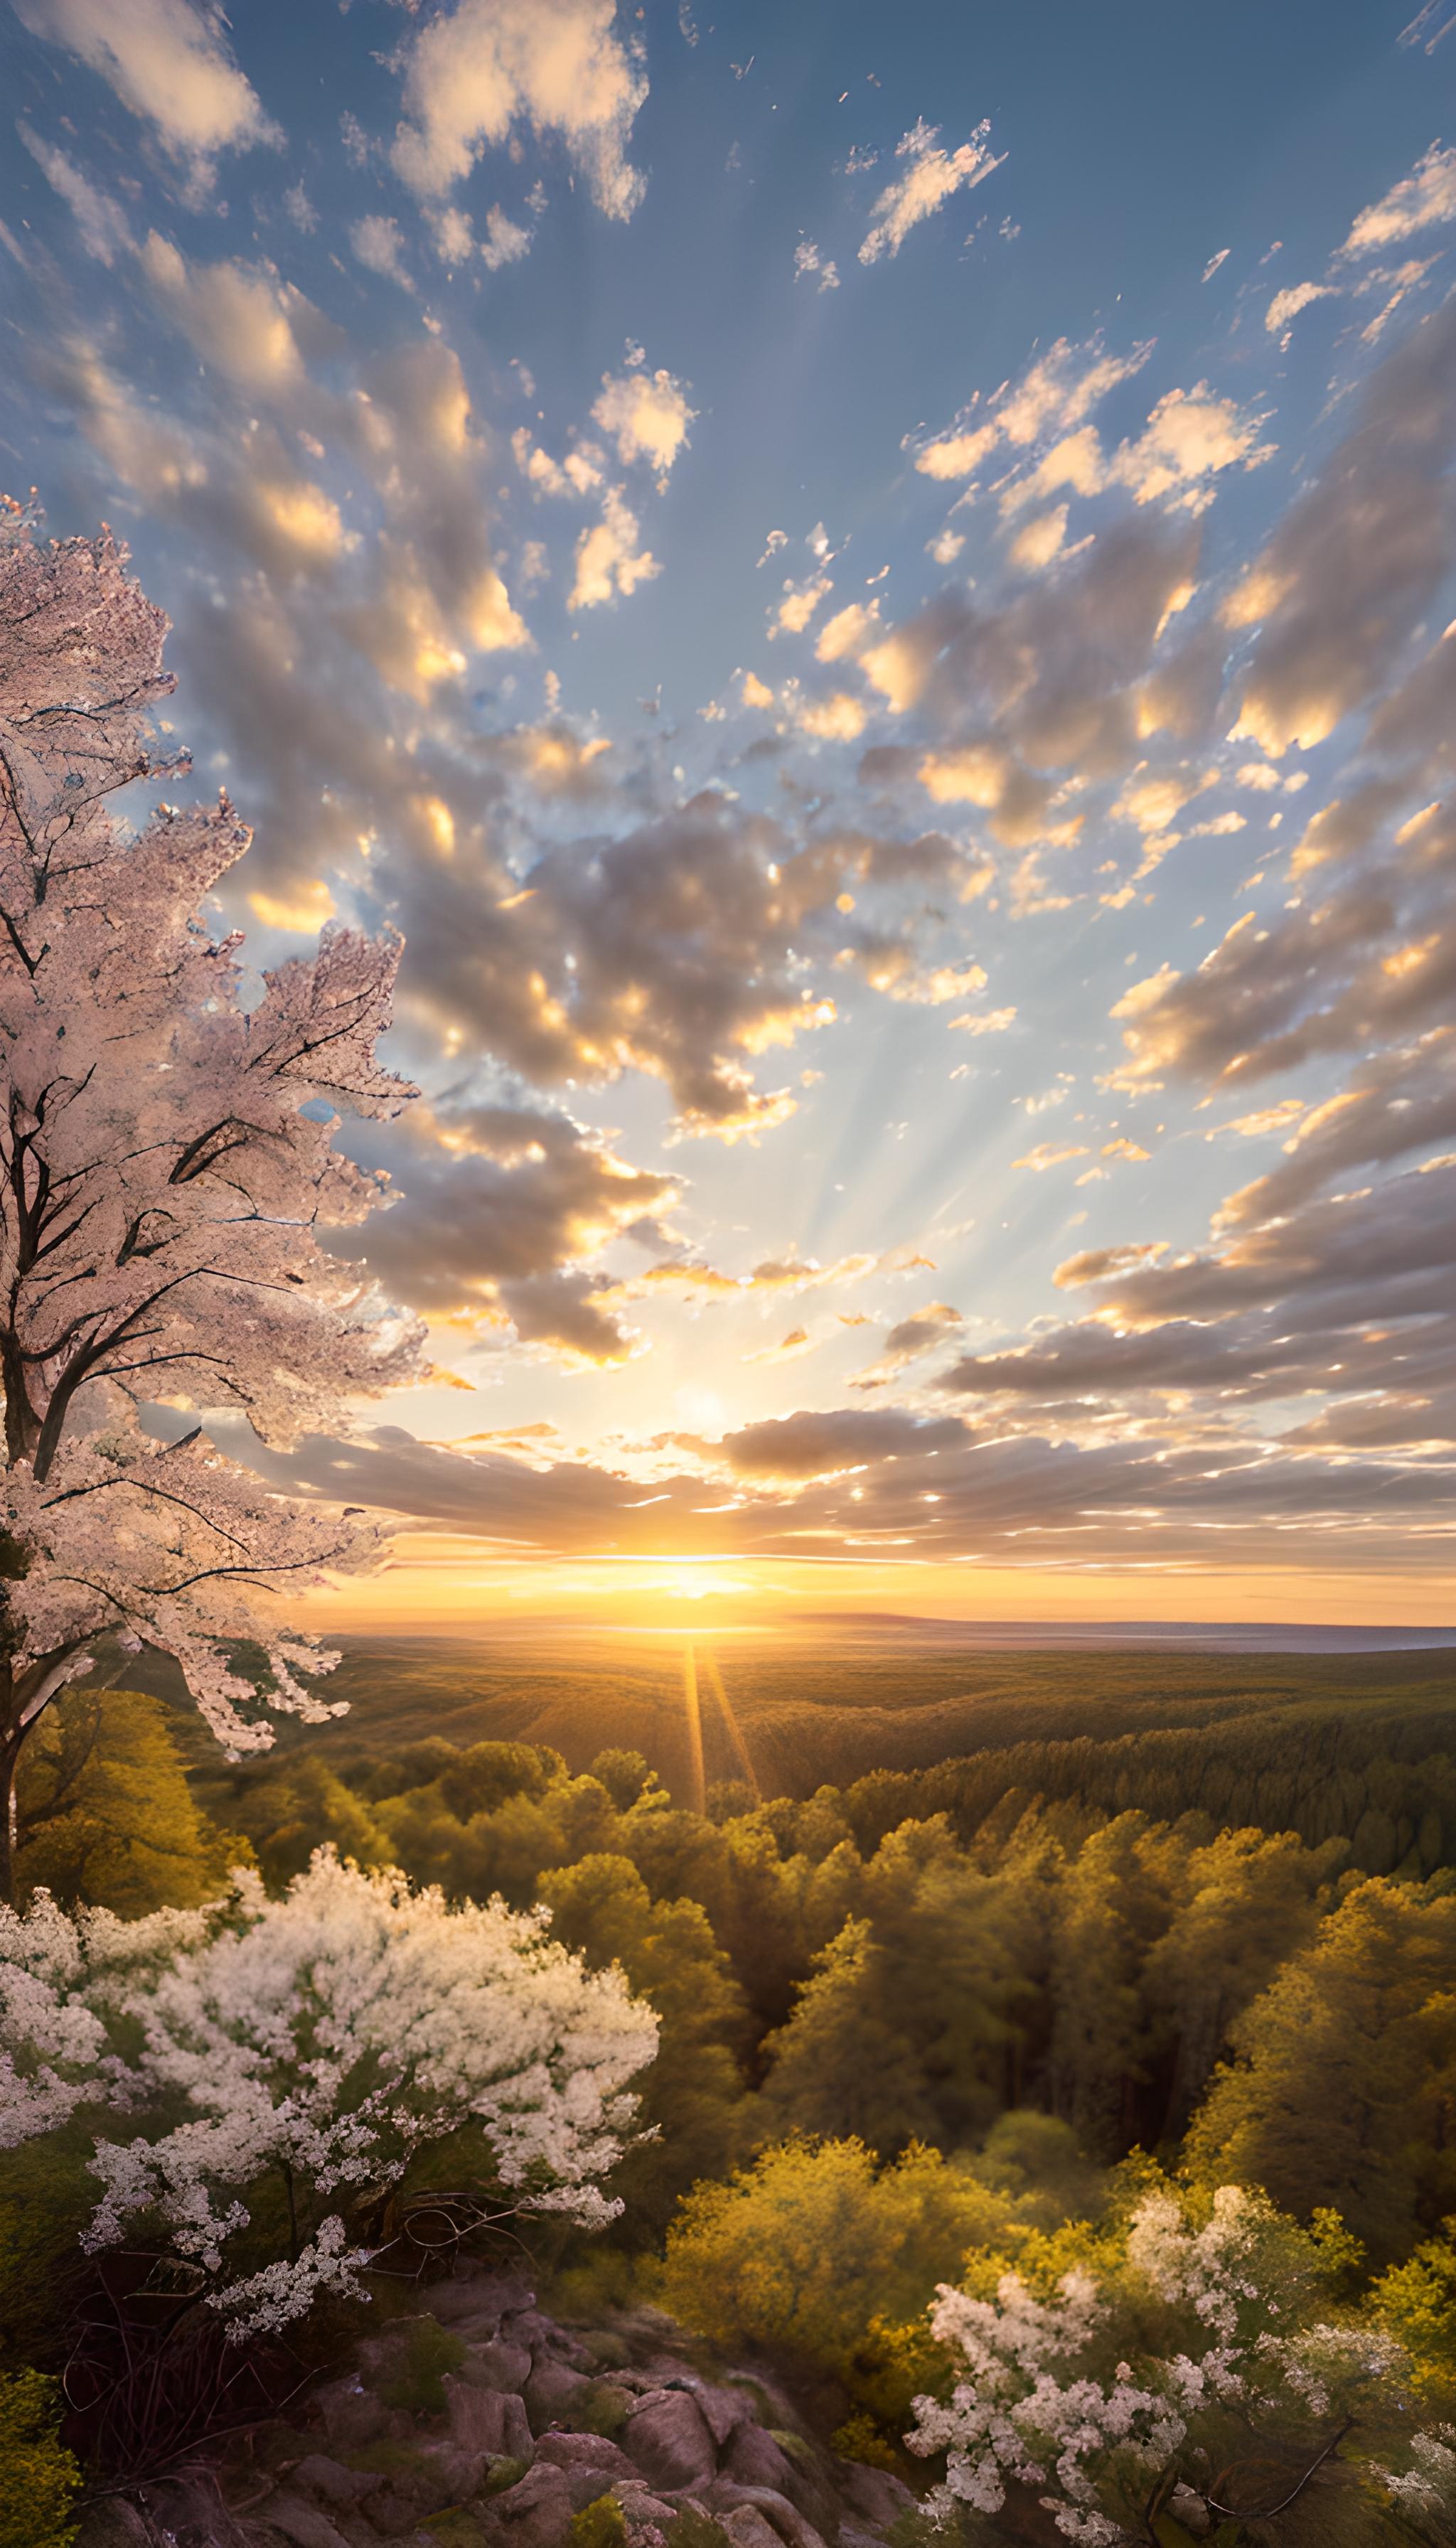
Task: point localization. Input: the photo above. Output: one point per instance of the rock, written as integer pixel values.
(112, 2523)
(877, 2494)
(459, 2474)
(642, 2507)
(300, 2521)
(592, 2465)
(498, 2365)
(480, 2297)
(567, 2451)
(794, 2529)
(535, 2513)
(553, 2393)
(723, 2411)
(486, 2419)
(668, 2437)
(754, 2458)
(339, 2486)
(352, 2415)
(747, 2527)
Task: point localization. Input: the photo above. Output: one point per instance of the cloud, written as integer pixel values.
(379, 243)
(473, 73)
(1052, 399)
(1040, 540)
(1188, 439)
(791, 1348)
(851, 1481)
(930, 176)
(105, 231)
(609, 560)
(500, 1210)
(168, 63)
(989, 1022)
(1350, 570)
(922, 1332)
(1415, 203)
(647, 415)
(1374, 960)
(807, 260)
(1052, 1154)
(821, 1446)
(237, 317)
(1286, 305)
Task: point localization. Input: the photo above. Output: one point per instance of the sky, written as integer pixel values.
(871, 590)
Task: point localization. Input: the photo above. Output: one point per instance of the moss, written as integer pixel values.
(386, 2459)
(456, 2526)
(39, 2476)
(503, 2474)
(602, 2524)
(609, 2352)
(418, 2379)
(794, 2446)
(694, 2528)
(603, 2410)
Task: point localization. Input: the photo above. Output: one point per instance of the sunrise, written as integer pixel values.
(727, 1274)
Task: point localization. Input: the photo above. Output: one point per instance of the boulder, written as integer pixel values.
(670, 2440)
(877, 2494)
(333, 2484)
(112, 2523)
(795, 2528)
(592, 2465)
(498, 2365)
(748, 2528)
(554, 2393)
(723, 2411)
(479, 2298)
(535, 2513)
(754, 2458)
(486, 2419)
(352, 2415)
(644, 2509)
(300, 2521)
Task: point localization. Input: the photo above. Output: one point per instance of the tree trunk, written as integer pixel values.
(10, 1749)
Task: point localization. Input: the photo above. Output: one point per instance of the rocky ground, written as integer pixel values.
(517, 2425)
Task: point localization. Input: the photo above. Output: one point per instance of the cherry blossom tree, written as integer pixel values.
(295, 2054)
(1189, 2375)
(166, 1156)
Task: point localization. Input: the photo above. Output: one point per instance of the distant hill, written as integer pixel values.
(800, 1715)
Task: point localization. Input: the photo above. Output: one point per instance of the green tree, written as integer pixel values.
(1248, 1903)
(104, 1811)
(804, 2251)
(1343, 2088)
(695, 2091)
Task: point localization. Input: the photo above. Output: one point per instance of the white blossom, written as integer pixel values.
(322, 2040)
(167, 1158)
(1034, 2408)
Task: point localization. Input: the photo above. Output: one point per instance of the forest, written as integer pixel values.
(921, 2029)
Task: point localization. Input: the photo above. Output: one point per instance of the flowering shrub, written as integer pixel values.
(1190, 2371)
(287, 2058)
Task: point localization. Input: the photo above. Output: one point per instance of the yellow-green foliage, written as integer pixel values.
(1343, 2071)
(802, 2252)
(418, 2379)
(602, 2524)
(105, 1812)
(39, 2478)
(1417, 2303)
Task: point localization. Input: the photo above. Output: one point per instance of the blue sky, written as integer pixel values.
(869, 588)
